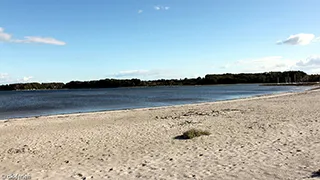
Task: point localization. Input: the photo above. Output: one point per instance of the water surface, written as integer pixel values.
(14, 104)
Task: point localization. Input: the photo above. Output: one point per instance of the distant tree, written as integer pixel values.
(228, 78)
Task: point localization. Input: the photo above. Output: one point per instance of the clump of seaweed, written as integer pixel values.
(192, 133)
(316, 173)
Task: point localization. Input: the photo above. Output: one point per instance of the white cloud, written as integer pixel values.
(161, 8)
(43, 40)
(27, 79)
(264, 64)
(5, 37)
(273, 63)
(157, 8)
(130, 73)
(4, 76)
(151, 74)
(140, 11)
(313, 61)
(309, 65)
(299, 39)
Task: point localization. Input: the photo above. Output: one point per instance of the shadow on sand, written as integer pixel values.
(316, 174)
(181, 137)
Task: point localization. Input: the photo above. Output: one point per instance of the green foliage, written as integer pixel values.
(210, 79)
(32, 86)
(268, 77)
(192, 133)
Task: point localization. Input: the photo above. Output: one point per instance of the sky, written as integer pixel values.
(65, 40)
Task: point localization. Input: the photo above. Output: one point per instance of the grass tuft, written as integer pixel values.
(192, 133)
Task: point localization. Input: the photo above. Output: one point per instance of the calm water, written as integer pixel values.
(15, 104)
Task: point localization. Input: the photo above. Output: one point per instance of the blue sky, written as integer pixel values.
(64, 40)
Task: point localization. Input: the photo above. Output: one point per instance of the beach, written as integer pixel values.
(268, 137)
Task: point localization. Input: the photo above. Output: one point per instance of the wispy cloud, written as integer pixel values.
(149, 74)
(6, 37)
(132, 73)
(299, 39)
(273, 63)
(27, 79)
(317, 39)
(264, 64)
(6, 78)
(158, 8)
(43, 40)
(140, 11)
(310, 64)
(312, 61)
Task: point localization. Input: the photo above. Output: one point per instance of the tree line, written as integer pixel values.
(210, 79)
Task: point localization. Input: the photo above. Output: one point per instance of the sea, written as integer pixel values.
(19, 104)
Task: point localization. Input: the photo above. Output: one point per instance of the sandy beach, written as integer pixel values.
(269, 137)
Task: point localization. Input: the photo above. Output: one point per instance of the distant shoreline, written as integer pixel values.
(293, 84)
(261, 84)
(209, 79)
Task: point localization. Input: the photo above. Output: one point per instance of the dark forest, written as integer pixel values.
(210, 79)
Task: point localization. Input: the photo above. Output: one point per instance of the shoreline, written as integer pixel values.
(160, 107)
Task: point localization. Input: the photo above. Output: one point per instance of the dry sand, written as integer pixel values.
(273, 137)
